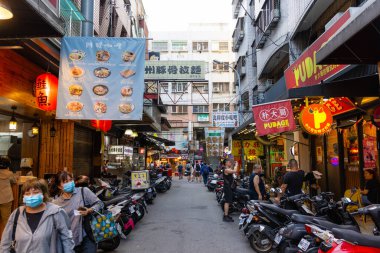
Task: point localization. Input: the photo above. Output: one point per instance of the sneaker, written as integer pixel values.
(231, 220)
(226, 219)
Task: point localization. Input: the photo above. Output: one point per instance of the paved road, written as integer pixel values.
(186, 219)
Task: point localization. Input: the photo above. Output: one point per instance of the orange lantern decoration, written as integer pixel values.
(46, 92)
(316, 119)
(102, 125)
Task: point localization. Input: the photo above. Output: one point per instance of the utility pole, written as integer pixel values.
(87, 9)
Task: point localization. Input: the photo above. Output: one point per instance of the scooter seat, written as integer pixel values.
(357, 238)
(277, 209)
(242, 191)
(303, 219)
(116, 199)
(253, 201)
(329, 225)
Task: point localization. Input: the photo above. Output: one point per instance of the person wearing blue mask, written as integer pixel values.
(78, 203)
(39, 225)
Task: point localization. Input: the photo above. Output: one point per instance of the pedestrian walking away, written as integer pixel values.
(188, 171)
(197, 170)
(228, 178)
(180, 171)
(204, 173)
(39, 226)
(6, 196)
(256, 184)
(293, 180)
(78, 204)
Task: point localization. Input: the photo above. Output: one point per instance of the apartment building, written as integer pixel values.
(191, 104)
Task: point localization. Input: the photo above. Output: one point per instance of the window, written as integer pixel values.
(200, 108)
(179, 46)
(221, 107)
(179, 109)
(200, 88)
(219, 46)
(221, 87)
(179, 87)
(160, 46)
(223, 66)
(164, 88)
(245, 100)
(200, 46)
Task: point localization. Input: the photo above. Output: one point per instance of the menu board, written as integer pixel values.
(101, 78)
(140, 180)
(214, 141)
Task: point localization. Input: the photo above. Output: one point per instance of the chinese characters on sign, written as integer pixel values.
(46, 92)
(225, 119)
(369, 152)
(305, 71)
(316, 119)
(214, 141)
(251, 148)
(101, 78)
(168, 70)
(274, 117)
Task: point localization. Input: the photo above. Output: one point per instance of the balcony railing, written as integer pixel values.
(70, 13)
(236, 5)
(238, 35)
(266, 21)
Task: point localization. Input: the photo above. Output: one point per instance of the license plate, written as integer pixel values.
(304, 244)
(250, 218)
(131, 209)
(138, 213)
(213, 181)
(264, 242)
(278, 238)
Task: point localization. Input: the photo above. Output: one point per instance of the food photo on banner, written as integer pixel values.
(101, 78)
(274, 118)
(214, 141)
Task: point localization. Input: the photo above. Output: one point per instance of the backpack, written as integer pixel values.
(188, 167)
(198, 167)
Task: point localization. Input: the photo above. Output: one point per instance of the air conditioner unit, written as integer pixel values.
(215, 89)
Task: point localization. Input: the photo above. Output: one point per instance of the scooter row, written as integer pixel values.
(127, 207)
(302, 224)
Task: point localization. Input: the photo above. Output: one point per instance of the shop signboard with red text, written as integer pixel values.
(339, 105)
(305, 71)
(274, 118)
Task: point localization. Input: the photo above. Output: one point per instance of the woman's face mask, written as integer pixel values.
(33, 200)
(69, 187)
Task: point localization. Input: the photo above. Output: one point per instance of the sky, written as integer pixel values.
(175, 15)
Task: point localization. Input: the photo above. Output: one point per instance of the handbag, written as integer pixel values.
(13, 243)
(103, 226)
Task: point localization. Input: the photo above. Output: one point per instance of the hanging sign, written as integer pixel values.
(101, 78)
(316, 119)
(140, 180)
(251, 148)
(225, 119)
(305, 71)
(339, 105)
(274, 118)
(369, 152)
(214, 141)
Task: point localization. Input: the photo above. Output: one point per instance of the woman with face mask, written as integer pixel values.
(78, 203)
(38, 226)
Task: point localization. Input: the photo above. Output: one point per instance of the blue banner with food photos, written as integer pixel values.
(101, 78)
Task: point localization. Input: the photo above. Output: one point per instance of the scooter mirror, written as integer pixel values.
(272, 190)
(278, 190)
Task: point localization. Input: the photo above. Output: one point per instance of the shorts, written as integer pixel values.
(197, 174)
(227, 194)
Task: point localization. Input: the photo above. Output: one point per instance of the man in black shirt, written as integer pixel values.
(293, 180)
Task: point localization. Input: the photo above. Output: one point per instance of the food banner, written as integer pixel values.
(305, 71)
(214, 141)
(274, 118)
(369, 152)
(140, 180)
(251, 148)
(101, 78)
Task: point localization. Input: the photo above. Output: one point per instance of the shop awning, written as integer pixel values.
(357, 42)
(161, 140)
(367, 86)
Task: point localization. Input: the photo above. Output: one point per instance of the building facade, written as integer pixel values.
(191, 104)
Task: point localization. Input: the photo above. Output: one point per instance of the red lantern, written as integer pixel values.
(102, 125)
(46, 92)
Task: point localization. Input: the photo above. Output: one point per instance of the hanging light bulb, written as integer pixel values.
(134, 134)
(13, 121)
(128, 132)
(35, 128)
(5, 10)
